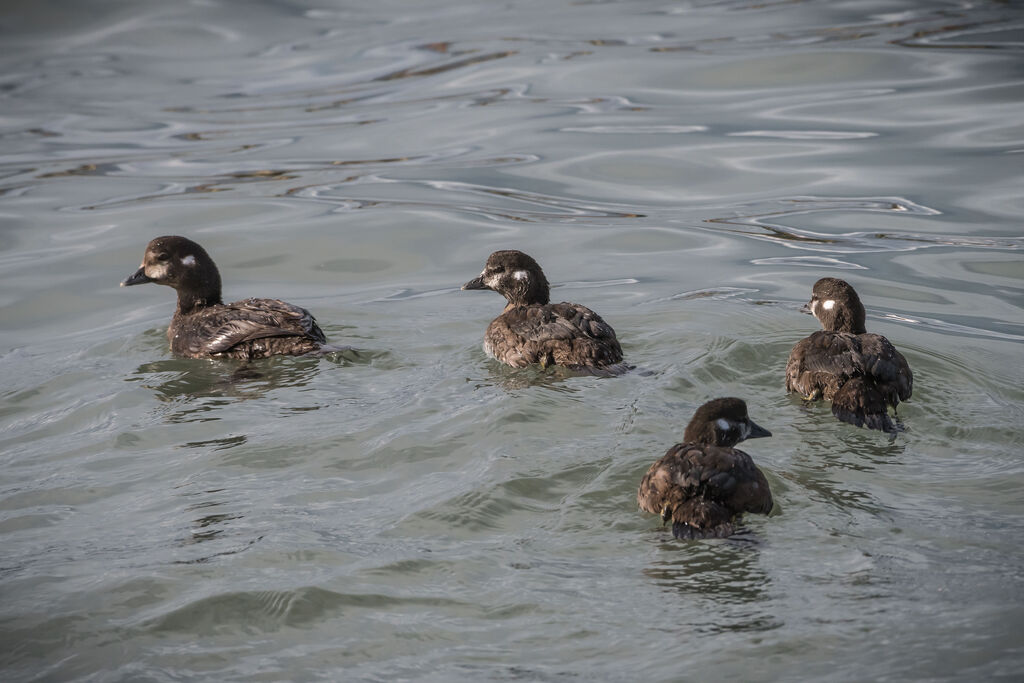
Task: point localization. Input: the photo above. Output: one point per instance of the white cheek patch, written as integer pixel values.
(491, 281)
(521, 275)
(189, 260)
(156, 272)
(723, 424)
(746, 429)
(829, 305)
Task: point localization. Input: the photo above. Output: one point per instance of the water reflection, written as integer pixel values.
(175, 379)
(717, 574)
(212, 516)
(672, 146)
(764, 220)
(208, 527)
(500, 204)
(553, 377)
(179, 381)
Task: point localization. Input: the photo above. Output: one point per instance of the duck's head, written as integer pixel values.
(723, 422)
(515, 276)
(836, 306)
(180, 263)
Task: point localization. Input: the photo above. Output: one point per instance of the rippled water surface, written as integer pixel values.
(409, 509)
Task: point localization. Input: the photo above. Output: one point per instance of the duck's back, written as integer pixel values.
(563, 334)
(861, 374)
(702, 487)
(253, 328)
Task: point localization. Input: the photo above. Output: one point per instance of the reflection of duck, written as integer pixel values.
(532, 330)
(726, 578)
(704, 483)
(862, 374)
(204, 326)
(191, 390)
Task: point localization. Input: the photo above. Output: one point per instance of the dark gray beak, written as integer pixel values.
(806, 308)
(476, 283)
(136, 278)
(757, 431)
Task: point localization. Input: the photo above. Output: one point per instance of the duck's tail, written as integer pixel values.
(860, 402)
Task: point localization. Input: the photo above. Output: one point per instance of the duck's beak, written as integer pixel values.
(757, 431)
(806, 308)
(136, 278)
(476, 283)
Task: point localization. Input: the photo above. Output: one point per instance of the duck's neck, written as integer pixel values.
(848, 321)
(532, 294)
(190, 302)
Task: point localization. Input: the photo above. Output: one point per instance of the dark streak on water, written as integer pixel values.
(404, 508)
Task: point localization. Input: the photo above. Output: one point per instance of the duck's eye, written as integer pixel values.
(163, 256)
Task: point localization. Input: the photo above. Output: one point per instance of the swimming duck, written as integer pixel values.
(204, 326)
(704, 484)
(860, 373)
(533, 330)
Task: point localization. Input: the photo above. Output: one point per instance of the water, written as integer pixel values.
(411, 510)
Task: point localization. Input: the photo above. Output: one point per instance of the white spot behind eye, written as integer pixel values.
(828, 305)
(521, 275)
(723, 424)
(189, 260)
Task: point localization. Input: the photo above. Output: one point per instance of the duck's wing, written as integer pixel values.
(751, 493)
(252, 319)
(862, 403)
(835, 352)
(720, 476)
(886, 366)
(557, 321)
(821, 363)
(565, 333)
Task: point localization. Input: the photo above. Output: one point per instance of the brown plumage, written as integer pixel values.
(203, 326)
(860, 373)
(532, 330)
(703, 484)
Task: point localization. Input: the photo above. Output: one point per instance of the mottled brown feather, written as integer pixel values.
(704, 487)
(254, 328)
(562, 334)
(862, 374)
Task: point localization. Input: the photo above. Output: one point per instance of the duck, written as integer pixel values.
(862, 374)
(203, 326)
(532, 330)
(704, 484)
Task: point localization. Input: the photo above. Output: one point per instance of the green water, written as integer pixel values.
(409, 509)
